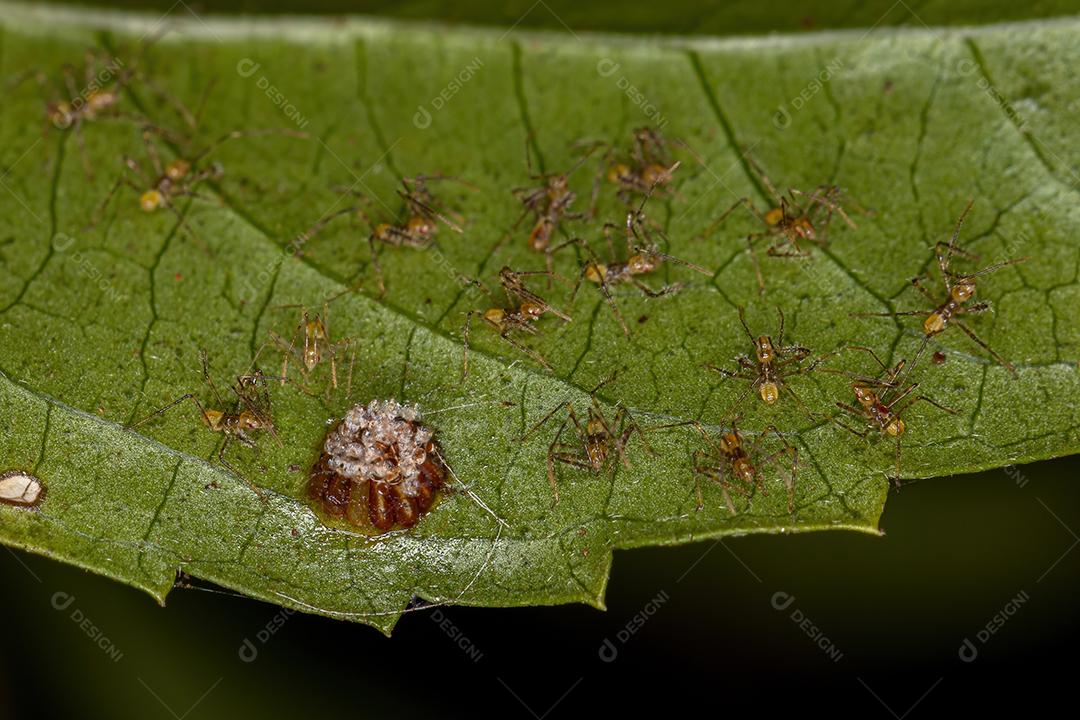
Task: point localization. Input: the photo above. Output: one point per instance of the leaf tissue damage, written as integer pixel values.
(278, 201)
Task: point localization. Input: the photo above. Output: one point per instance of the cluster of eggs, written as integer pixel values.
(380, 466)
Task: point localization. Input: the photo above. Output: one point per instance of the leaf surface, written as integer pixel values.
(99, 327)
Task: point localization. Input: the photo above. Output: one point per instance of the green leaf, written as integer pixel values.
(683, 17)
(104, 326)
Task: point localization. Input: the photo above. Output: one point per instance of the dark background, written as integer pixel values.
(955, 553)
(896, 609)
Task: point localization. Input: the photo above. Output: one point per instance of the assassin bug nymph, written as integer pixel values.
(649, 163)
(599, 442)
(549, 203)
(881, 402)
(250, 413)
(423, 213)
(98, 95)
(524, 311)
(310, 344)
(959, 290)
(793, 219)
(736, 464)
(643, 256)
(771, 365)
(178, 178)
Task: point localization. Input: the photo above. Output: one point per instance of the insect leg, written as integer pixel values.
(174, 403)
(944, 258)
(225, 463)
(521, 347)
(375, 264)
(754, 260)
(971, 334)
(152, 153)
